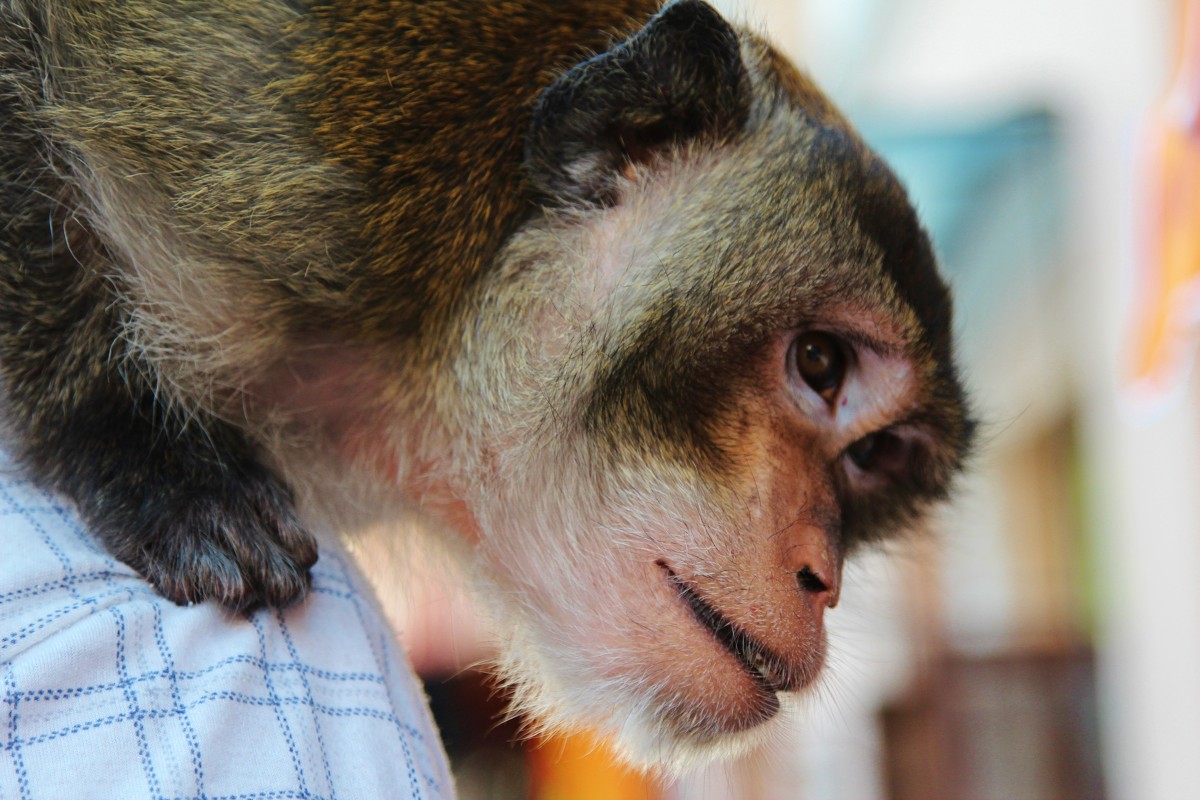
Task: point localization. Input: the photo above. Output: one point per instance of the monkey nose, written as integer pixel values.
(818, 566)
(826, 589)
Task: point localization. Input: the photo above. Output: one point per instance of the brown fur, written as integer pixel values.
(427, 104)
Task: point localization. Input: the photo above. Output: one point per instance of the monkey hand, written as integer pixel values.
(198, 515)
(240, 545)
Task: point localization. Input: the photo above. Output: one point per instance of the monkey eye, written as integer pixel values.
(821, 361)
(879, 451)
(863, 451)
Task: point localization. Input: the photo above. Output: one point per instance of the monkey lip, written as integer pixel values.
(764, 666)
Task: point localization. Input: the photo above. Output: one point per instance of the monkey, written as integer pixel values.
(607, 296)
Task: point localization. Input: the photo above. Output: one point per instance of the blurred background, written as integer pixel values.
(1043, 642)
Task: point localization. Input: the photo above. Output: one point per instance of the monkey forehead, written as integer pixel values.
(766, 233)
(798, 112)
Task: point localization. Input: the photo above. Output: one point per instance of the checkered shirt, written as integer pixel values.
(110, 691)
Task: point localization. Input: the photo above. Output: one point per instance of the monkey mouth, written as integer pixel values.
(766, 668)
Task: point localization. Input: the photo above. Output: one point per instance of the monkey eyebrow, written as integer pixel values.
(860, 338)
(855, 335)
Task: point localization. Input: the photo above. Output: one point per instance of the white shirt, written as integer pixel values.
(111, 691)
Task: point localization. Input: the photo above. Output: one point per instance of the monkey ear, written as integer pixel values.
(679, 77)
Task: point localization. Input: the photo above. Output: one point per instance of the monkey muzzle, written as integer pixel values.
(767, 668)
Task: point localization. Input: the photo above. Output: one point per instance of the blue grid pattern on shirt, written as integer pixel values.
(109, 690)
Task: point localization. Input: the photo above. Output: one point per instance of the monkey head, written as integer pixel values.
(714, 364)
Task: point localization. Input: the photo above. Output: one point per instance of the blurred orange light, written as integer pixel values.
(1170, 313)
(579, 767)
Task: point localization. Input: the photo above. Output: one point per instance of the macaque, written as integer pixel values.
(607, 295)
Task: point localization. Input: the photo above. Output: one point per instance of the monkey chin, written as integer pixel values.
(663, 704)
(650, 726)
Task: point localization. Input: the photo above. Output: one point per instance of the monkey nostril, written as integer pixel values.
(810, 581)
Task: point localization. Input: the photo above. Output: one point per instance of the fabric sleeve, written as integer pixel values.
(113, 691)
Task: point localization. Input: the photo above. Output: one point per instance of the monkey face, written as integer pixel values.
(670, 588)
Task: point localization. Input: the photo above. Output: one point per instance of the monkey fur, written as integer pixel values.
(609, 295)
